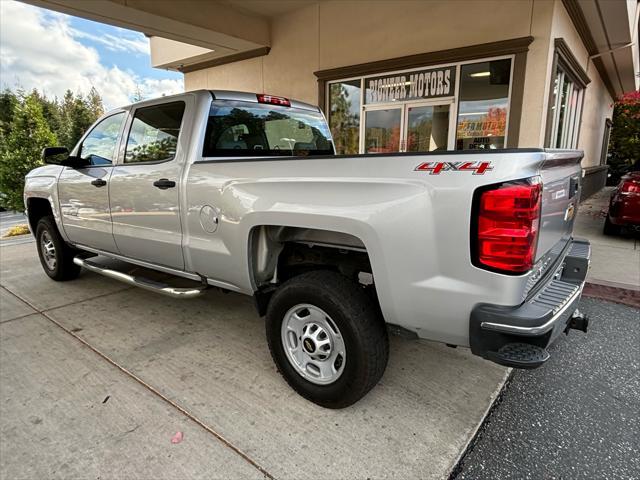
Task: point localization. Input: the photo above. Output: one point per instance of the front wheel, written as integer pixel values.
(55, 255)
(327, 338)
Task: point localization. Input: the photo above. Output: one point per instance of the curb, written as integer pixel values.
(496, 400)
(624, 296)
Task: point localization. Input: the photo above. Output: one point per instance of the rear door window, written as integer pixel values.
(237, 128)
(154, 133)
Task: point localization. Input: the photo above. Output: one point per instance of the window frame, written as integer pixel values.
(243, 155)
(452, 100)
(129, 125)
(606, 136)
(454, 124)
(516, 47)
(566, 63)
(77, 150)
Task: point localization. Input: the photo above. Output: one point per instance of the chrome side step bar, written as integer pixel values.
(147, 284)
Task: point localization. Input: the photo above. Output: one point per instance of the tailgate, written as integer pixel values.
(561, 175)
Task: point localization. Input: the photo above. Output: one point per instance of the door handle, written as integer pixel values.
(164, 183)
(98, 182)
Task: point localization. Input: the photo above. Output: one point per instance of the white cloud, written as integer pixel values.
(134, 44)
(41, 50)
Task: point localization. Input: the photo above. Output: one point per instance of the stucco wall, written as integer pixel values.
(598, 104)
(346, 32)
(536, 84)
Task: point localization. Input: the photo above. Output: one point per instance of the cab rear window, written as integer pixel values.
(237, 128)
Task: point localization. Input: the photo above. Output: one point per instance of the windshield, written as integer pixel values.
(238, 128)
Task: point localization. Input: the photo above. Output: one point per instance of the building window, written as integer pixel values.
(567, 106)
(604, 154)
(453, 106)
(566, 99)
(344, 115)
(483, 105)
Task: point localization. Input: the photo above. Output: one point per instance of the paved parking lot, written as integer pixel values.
(577, 416)
(96, 377)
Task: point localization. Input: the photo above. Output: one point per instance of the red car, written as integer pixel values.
(624, 207)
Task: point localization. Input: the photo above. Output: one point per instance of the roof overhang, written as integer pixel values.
(188, 31)
(609, 31)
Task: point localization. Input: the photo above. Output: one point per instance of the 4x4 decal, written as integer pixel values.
(434, 168)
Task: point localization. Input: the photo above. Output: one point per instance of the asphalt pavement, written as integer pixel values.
(578, 416)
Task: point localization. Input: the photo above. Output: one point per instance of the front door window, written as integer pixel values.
(99, 146)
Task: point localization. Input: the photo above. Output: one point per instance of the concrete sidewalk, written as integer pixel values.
(151, 366)
(615, 261)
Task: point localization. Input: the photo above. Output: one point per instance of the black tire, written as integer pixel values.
(356, 317)
(609, 228)
(64, 268)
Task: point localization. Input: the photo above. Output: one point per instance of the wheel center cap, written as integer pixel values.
(309, 346)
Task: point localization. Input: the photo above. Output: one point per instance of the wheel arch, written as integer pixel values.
(37, 208)
(279, 252)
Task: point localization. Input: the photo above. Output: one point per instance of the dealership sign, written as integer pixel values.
(423, 84)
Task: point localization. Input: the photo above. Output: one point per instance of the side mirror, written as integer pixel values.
(55, 155)
(60, 156)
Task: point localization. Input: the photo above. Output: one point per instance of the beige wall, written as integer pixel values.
(355, 31)
(598, 104)
(536, 85)
(333, 34)
(346, 32)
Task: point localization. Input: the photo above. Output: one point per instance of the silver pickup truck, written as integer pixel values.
(243, 192)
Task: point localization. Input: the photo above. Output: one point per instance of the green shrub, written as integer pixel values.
(624, 143)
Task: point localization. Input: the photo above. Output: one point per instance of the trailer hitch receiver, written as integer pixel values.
(578, 321)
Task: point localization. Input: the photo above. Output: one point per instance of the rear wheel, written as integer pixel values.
(610, 228)
(55, 255)
(327, 338)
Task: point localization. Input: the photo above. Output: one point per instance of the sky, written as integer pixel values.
(54, 52)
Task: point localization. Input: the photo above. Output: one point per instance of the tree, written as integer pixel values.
(624, 143)
(345, 126)
(77, 113)
(94, 103)
(137, 94)
(21, 151)
(8, 101)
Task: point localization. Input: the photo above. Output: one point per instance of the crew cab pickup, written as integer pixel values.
(243, 192)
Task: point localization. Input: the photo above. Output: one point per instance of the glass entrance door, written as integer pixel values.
(382, 130)
(427, 128)
(410, 127)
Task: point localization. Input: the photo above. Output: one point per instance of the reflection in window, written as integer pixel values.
(382, 131)
(238, 128)
(565, 110)
(483, 105)
(427, 128)
(99, 147)
(344, 116)
(154, 133)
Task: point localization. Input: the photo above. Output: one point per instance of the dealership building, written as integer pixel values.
(408, 76)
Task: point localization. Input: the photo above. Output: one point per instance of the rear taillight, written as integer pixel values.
(507, 225)
(630, 186)
(284, 102)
